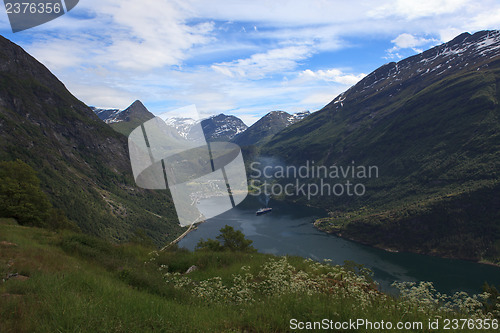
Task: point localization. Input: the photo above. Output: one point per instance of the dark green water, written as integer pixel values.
(289, 230)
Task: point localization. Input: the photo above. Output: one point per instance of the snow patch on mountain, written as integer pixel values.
(182, 125)
(465, 52)
(109, 116)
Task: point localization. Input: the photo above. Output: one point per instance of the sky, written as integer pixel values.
(238, 57)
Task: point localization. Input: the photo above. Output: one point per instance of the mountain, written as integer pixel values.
(127, 120)
(107, 115)
(264, 129)
(216, 128)
(431, 125)
(182, 125)
(82, 163)
(296, 117)
(222, 127)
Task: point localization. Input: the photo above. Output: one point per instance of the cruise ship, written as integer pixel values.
(262, 211)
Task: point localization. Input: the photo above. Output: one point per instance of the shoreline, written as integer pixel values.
(339, 234)
(191, 228)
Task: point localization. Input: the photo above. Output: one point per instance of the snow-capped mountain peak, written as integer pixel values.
(216, 128)
(464, 52)
(109, 116)
(298, 116)
(182, 125)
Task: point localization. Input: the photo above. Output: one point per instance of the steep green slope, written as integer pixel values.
(82, 163)
(436, 142)
(72, 282)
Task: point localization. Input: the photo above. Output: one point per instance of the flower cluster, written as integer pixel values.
(424, 298)
(353, 287)
(278, 277)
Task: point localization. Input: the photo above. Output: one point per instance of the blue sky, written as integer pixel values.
(238, 57)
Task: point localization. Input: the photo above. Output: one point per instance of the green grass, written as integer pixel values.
(78, 283)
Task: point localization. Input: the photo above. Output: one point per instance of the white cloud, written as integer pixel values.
(172, 53)
(260, 65)
(404, 41)
(407, 41)
(103, 96)
(152, 33)
(321, 99)
(60, 54)
(448, 34)
(411, 9)
(188, 111)
(127, 35)
(249, 119)
(332, 75)
(486, 19)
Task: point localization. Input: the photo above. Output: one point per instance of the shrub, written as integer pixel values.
(21, 196)
(229, 239)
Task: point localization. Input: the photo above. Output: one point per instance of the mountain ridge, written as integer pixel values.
(453, 52)
(431, 124)
(125, 121)
(218, 127)
(267, 126)
(82, 163)
(222, 127)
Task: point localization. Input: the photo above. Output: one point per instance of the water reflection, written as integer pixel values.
(289, 230)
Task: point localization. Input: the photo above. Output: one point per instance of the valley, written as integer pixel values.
(425, 152)
(250, 166)
(434, 135)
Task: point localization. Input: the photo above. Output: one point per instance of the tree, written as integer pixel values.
(229, 239)
(234, 240)
(21, 196)
(209, 245)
